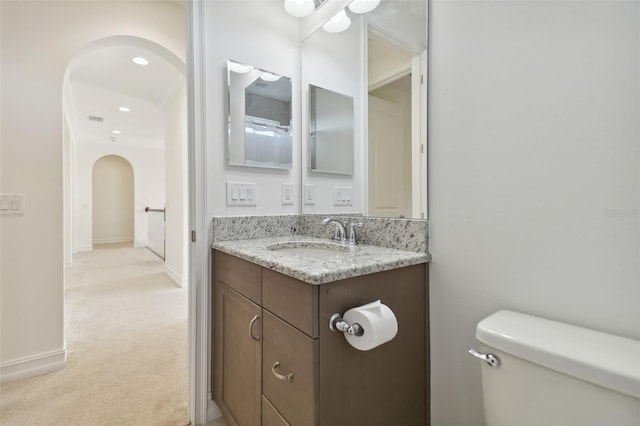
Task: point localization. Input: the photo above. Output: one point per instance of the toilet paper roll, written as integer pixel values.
(378, 322)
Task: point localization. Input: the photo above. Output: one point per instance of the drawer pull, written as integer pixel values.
(253, 320)
(280, 376)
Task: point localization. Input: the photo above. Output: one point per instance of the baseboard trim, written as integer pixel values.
(33, 366)
(83, 248)
(112, 240)
(182, 282)
(213, 412)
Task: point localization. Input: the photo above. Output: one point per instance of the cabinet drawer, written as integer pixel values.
(270, 416)
(242, 276)
(290, 371)
(292, 300)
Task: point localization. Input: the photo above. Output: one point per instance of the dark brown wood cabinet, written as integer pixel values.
(276, 363)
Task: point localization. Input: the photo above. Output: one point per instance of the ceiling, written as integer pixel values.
(105, 79)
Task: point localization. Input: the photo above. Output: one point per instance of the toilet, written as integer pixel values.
(539, 372)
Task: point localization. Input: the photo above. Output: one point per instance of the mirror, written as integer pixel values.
(334, 63)
(330, 131)
(389, 89)
(259, 117)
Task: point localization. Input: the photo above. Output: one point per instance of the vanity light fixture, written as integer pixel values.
(267, 76)
(363, 6)
(302, 8)
(338, 23)
(124, 109)
(140, 60)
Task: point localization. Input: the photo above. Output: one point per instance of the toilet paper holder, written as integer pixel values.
(337, 323)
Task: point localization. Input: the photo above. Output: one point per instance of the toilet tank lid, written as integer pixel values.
(604, 359)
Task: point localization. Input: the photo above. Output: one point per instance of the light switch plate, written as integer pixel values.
(12, 204)
(342, 196)
(309, 195)
(287, 194)
(241, 193)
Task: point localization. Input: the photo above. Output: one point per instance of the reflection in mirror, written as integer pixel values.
(259, 120)
(331, 131)
(334, 61)
(396, 51)
(390, 145)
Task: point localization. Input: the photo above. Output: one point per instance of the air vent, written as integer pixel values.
(96, 119)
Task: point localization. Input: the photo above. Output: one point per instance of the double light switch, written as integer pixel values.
(12, 204)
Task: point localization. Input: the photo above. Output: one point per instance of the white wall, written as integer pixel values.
(263, 35)
(41, 39)
(112, 200)
(336, 62)
(533, 143)
(148, 178)
(176, 185)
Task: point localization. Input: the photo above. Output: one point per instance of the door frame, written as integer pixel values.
(199, 291)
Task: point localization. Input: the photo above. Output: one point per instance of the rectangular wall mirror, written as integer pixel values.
(330, 131)
(380, 60)
(259, 119)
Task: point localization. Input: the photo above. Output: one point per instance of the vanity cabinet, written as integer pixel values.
(276, 363)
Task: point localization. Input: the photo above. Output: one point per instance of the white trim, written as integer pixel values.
(140, 244)
(68, 264)
(417, 144)
(33, 366)
(112, 240)
(83, 248)
(199, 250)
(177, 278)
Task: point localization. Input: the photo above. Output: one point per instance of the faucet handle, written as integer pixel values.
(352, 232)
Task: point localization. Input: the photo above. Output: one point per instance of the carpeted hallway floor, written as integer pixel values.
(126, 331)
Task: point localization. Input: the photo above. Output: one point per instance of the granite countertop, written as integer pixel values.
(346, 262)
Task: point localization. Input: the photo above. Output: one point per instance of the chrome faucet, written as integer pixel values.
(340, 234)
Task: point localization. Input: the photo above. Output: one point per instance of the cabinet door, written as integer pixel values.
(239, 353)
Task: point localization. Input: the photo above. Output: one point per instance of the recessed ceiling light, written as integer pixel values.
(116, 132)
(140, 60)
(124, 109)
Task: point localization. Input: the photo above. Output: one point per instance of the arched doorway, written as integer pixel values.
(134, 124)
(112, 201)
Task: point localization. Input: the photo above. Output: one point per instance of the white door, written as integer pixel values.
(386, 159)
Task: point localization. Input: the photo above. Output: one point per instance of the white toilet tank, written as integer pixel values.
(551, 373)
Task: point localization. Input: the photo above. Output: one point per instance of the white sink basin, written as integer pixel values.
(309, 248)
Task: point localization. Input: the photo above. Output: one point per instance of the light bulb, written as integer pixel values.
(363, 6)
(299, 8)
(267, 76)
(238, 67)
(338, 23)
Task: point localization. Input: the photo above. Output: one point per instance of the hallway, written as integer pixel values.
(126, 337)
